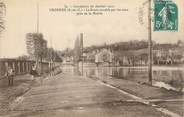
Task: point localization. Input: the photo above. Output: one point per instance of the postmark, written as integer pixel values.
(143, 14)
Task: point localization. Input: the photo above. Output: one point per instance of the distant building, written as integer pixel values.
(169, 56)
(180, 43)
(104, 55)
(68, 60)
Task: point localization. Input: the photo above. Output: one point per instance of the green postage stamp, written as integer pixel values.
(165, 15)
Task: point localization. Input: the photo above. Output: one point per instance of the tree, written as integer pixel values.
(23, 57)
(57, 57)
(50, 52)
(2, 14)
(36, 47)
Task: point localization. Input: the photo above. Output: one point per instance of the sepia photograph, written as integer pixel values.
(91, 58)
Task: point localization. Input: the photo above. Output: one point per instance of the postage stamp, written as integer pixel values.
(165, 15)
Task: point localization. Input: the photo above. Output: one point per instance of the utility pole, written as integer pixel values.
(50, 57)
(37, 31)
(81, 39)
(37, 18)
(37, 28)
(149, 43)
(77, 53)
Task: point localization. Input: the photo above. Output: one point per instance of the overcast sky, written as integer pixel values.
(63, 27)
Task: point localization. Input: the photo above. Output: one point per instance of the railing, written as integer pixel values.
(20, 66)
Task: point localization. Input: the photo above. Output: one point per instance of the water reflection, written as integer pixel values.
(171, 77)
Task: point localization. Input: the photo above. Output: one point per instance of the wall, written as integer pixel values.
(20, 66)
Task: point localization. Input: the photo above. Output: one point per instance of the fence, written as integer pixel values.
(20, 66)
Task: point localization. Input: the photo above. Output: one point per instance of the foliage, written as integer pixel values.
(23, 57)
(36, 45)
(2, 15)
(53, 55)
(120, 46)
(137, 51)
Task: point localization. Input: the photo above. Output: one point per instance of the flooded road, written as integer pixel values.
(107, 95)
(170, 78)
(77, 96)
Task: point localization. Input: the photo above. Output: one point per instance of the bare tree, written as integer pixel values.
(2, 14)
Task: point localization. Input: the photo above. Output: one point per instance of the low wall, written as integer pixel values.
(20, 66)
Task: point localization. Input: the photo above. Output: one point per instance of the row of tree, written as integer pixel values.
(129, 45)
(38, 50)
(133, 45)
(136, 52)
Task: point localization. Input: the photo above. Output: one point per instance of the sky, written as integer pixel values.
(61, 29)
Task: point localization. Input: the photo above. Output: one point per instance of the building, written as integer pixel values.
(104, 56)
(68, 60)
(168, 56)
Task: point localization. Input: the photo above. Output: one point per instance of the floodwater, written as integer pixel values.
(170, 78)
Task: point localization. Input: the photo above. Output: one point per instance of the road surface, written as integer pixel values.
(67, 95)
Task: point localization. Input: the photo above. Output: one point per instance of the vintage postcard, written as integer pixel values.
(91, 58)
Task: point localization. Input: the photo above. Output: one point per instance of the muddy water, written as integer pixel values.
(171, 78)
